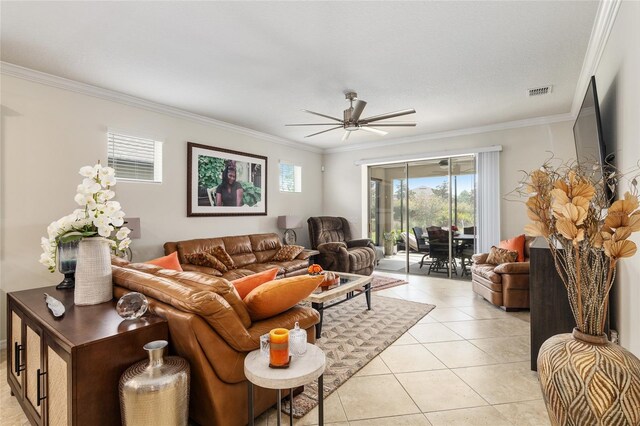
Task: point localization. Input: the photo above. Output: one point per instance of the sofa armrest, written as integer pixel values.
(306, 254)
(480, 258)
(363, 242)
(512, 268)
(332, 247)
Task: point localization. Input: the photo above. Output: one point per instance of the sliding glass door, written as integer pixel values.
(426, 213)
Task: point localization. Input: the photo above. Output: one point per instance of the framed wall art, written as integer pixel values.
(222, 182)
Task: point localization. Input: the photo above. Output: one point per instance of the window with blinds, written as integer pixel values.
(134, 158)
(290, 178)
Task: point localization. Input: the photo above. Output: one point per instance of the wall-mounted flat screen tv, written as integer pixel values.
(591, 150)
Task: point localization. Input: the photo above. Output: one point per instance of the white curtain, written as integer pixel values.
(488, 200)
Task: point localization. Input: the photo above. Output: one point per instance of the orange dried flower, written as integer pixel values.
(314, 269)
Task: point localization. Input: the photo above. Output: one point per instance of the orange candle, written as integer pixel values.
(279, 347)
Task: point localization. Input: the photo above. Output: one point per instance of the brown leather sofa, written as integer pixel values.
(331, 236)
(505, 285)
(210, 327)
(250, 253)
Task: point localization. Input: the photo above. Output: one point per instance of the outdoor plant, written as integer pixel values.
(587, 238)
(99, 216)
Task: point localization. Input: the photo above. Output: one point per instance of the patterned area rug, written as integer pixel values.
(380, 282)
(353, 336)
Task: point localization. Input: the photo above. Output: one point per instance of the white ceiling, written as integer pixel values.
(257, 64)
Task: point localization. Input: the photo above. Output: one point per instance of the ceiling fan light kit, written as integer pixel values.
(351, 119)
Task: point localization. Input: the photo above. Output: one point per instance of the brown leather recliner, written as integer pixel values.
(210, 327)
(505, 285)
(331, 236)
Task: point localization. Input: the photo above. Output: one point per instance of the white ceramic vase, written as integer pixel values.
(93, 272)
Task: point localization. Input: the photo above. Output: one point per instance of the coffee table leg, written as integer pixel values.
(290, 407)
(279, 407)
(320, 308)
(250, 386)
(367, 294)
(320, 401)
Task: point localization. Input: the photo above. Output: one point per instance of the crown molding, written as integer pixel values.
(535, 121)
(17, 71)
(602, 26)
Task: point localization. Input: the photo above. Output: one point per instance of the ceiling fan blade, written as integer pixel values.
(357, 109)
(324, 131)
(372, 130)
(312, 124)
(396, 124)
(323, 115)
(387, 115)
(346, 136)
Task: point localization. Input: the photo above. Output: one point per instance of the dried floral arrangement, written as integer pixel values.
(586, 236)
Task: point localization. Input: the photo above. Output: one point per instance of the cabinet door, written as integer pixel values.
(58, 395)
(16, 349)
(33, 367)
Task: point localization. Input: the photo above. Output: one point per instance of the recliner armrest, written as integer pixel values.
(363, 242)
(331, 247)
(512, 268)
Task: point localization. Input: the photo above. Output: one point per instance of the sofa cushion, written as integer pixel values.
(287, 253)
(486, 270)
(512, 268)
(169, 261)
(260, 267)
(193, 246)
(201, 269)
(244, 285)
(515, 244)
(277, 296)
(294, 265)
(237, 273)
(500, 255)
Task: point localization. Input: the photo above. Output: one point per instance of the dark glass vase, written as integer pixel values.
(67, 255)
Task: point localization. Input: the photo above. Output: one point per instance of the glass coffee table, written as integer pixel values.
(350, 286)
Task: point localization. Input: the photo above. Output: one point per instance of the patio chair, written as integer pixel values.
(422, 246)
(439, 251)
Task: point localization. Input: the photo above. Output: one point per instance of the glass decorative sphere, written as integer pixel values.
(132, 305)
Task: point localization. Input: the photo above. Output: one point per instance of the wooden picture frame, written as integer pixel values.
(222, 182)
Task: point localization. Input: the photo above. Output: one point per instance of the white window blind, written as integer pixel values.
(488, 200)
(135, 158)
(290, 178)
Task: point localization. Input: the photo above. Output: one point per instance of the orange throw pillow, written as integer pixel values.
(169, 261)
(244, 285)
(277, 296)
(515, 244)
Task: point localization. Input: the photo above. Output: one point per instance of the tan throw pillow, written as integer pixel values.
(287, 253)
(274, 297)
(223, 257)
(500, 255)
(216, 263)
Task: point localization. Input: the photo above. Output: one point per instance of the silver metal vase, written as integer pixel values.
(155, 391)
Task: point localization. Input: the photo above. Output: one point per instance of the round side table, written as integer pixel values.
(301, 371)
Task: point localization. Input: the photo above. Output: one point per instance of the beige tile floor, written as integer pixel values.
(466, 363)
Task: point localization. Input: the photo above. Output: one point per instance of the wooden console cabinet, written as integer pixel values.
(549, 304)
(65, 371)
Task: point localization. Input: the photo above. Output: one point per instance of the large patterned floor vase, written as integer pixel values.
(586, 380)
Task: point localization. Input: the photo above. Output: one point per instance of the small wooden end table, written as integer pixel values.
(301, 371)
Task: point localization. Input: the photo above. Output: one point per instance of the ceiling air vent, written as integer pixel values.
(537, 91)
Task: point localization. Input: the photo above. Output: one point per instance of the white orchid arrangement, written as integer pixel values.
(99, 216)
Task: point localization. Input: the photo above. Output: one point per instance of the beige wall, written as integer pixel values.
(618, 84)
(524, 148)
(49, 133)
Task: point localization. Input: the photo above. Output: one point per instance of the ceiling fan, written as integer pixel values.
(351, 120)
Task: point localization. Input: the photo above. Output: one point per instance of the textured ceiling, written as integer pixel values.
(257, 64)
